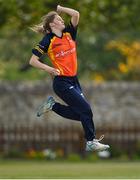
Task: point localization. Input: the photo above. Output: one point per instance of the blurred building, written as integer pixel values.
(116, 108)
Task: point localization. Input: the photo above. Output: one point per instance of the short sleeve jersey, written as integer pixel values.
(61, 50)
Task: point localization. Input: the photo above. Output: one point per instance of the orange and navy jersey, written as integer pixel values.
(61, 50)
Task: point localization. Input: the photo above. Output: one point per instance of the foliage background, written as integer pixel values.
(108, 38)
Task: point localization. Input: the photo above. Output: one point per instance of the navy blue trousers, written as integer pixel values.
(77, 108)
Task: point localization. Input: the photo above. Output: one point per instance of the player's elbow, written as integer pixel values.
(77, 14)
(32, 60)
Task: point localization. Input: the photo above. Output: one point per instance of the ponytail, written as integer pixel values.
(39, 29)
(44, 26)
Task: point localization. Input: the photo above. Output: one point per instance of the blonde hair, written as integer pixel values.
(44, 26)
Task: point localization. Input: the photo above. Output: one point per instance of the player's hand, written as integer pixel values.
(54, 72)
(59, 9)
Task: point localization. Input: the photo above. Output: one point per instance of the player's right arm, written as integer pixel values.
(34, 61)
(39, 50)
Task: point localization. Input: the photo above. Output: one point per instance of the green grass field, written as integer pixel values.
(42, 169)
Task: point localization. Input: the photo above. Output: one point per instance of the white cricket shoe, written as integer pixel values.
(46, 106)
(95, 145)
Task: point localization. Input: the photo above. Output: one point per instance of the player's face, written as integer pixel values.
(58, 23)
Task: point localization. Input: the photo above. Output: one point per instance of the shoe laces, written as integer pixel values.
(100, 139)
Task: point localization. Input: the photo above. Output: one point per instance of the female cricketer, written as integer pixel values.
(59, 43)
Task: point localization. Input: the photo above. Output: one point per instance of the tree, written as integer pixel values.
(100, 22)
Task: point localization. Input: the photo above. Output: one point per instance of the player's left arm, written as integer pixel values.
(75, 15)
